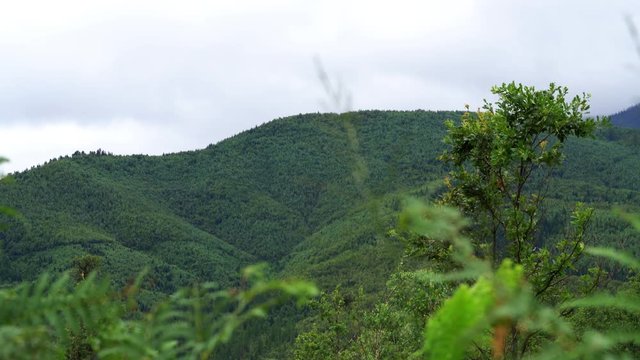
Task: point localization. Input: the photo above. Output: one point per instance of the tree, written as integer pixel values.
(475, 321)
(84, 265)
(502, 157)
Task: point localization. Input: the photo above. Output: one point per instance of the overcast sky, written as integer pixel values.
(156, 76)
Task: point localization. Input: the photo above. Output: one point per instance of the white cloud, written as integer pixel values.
(28, 144)
(198, 71)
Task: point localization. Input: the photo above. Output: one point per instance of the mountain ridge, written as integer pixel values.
(280, 182)
(312, 195)
(628, 118)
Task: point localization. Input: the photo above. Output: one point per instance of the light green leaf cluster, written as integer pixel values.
(452, 329)
(38, 319)
(467, 316)
(41, 320)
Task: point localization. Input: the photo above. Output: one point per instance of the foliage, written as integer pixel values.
(476, 320)
(452, 330)
(333, 329)
(345, 326)
(614, 317)
(502, 158)
(499, 152)
(37, 320)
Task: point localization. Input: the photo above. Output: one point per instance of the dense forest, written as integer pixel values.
(318, 198)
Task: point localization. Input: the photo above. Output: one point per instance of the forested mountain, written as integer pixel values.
(629, 118)
(314, 195)
(205, 213)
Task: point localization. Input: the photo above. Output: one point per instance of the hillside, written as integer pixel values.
(249, 198)
(629, 118)
(272, 193)
(313, 195)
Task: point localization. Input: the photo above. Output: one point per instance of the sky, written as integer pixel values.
(154, 77)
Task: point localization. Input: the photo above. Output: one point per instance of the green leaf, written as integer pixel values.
(462, 318)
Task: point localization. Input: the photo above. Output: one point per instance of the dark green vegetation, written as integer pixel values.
(202, 215)
(311, 196)
(516, 293)
(629, 118)
(87, 319)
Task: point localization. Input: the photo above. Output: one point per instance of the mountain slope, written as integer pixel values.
(272, 194)
(251, 197)
(629, 118)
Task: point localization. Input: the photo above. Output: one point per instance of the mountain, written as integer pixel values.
(273, 193)
(201, 215)
(629, 118)
(313, 195)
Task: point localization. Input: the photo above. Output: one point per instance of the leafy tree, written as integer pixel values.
(84, 265)
(333, 328)
(475, 321)
(503, 154)
(502, 158)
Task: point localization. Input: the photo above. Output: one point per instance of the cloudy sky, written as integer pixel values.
(157, 76)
